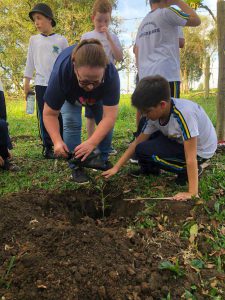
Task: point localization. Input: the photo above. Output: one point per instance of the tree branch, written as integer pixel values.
(209, 10)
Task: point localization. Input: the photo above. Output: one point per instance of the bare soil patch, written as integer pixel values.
(70, 246)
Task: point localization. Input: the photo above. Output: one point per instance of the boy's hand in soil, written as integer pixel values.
(184, 196)
(109, 173)
(1, 161)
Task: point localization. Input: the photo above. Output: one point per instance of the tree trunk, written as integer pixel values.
(221, 82)
(184, 83)
(207, 76)
(128, 82)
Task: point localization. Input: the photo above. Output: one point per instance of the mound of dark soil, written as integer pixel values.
(59, 246)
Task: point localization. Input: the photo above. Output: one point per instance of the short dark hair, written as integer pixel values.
(102, 7)
(154, 1)
(150, 91)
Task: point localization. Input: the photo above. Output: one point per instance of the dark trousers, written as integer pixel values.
(175, 89)
(3, 114)
(46, 140)
(162, 152)
(175, 93)
(4, 139)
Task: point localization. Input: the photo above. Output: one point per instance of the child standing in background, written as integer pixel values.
(43, 51)
(3, 114)
(101, 18)
(6, 162)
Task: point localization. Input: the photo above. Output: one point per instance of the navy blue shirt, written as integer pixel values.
(63, 85)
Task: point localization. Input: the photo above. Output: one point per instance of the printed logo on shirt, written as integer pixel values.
(149, 23)
(87, 101)
(55, 49)
(151, 31)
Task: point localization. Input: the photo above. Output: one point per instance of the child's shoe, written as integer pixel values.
(78, 175)
(113, 152)
(9, 165)
(48, 153)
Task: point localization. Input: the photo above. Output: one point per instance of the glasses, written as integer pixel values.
(84, 83)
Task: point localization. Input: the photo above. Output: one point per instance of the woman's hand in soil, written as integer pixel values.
(107, 174)
(84, 149)
(1, 161)
(61, 150)
(184, 196)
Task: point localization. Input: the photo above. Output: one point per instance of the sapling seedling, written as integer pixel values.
(100, 186)
(3, 279)
(175, 268)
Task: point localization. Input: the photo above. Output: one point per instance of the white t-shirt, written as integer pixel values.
(42, 53)
(157, 41)
(102, 38)
(1, 86)
(180, 33)
(187, 120)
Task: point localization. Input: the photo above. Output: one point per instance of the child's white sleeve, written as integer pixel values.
(180, 32)
(117, 42)
(188, 124)
(65, 44)
(174, 17)
(29, 69)
(84, 36)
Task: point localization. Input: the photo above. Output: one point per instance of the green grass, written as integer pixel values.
(38, 173)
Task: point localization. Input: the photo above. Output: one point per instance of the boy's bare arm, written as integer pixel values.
(194, 19)
(190, 149)
(181, 42)
(126, 156)
(27, 86)
(135, 50)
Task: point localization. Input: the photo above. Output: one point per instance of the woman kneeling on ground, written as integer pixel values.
(82, 75)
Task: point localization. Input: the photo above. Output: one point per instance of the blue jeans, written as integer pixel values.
(72, 123)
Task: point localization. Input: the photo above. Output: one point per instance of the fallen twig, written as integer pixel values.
(149, 198)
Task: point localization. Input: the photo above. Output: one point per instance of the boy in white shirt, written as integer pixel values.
(157, 49)
(43, 51)
(178, 136)
(101, 18)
